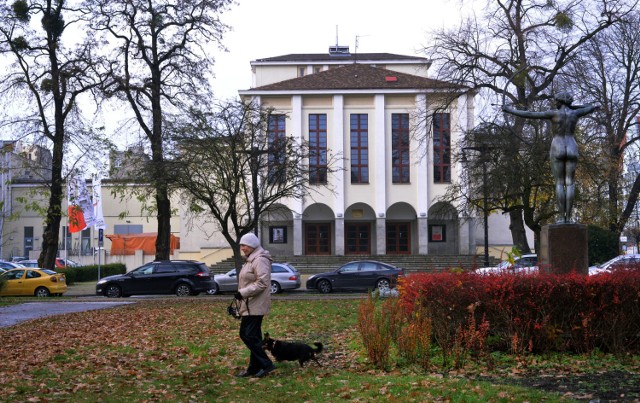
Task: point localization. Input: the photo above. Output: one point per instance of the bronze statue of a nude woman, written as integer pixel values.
(564, 149)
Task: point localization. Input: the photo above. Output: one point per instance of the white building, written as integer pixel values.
(372, 108)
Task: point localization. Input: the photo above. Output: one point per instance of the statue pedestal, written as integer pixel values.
(564, 249)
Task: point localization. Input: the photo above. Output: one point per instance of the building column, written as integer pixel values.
(466, 228)
(297, 234)
(339, 142)
(423, 235)
(297, 205)
(381, 236)
(380, 174)
(422, 166)
(464, 237)
(339, 235)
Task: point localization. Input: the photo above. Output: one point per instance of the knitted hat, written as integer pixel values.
(250, 240)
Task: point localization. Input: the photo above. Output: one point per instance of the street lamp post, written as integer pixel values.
(483, 150)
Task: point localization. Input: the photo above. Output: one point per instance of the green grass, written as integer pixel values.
(166, 350)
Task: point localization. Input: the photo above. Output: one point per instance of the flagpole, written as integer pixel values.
(99, 257)
(66, 253)
(99, 223)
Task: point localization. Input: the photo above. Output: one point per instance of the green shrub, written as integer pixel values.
(90, 273)
(603, 245)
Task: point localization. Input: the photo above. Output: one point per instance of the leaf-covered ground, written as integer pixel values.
(188, 350)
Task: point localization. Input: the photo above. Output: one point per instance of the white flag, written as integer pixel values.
(97, 206)
(83, 200)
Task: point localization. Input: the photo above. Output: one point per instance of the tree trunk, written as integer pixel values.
(163, 204)
(518, 233)
(163, 240)
(50, 237)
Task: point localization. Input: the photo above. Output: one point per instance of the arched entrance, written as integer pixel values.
(318, 229)
(359, 229)
(400, 224)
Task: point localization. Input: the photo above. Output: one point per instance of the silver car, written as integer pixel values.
(618, 262)
(283, 277)
(523, 264)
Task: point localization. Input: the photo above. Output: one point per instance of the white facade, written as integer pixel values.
(366, 218)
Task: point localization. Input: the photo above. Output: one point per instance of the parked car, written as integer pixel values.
(359, 275)
(180, 277)
(30, 263)
(62, 263)
(521, 264)
(618, 262)
(283, 277)
(38, 282)
(10, 265)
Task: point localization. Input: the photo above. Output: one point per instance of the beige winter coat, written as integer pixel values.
(254, 283)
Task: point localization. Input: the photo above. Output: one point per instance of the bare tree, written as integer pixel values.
(607, 72)
(161, 61)
(507, 179)
(44, 81)
(232, 165)
(513, 53)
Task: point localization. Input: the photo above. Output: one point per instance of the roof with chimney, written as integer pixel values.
(356, 76)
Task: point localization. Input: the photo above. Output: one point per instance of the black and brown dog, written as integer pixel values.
(288, 351)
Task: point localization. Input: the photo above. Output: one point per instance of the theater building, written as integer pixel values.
(395, 131)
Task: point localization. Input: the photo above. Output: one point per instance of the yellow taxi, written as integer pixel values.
(29, 281)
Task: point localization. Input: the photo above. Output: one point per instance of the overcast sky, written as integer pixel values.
(268, 28)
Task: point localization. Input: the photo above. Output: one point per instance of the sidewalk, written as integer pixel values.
(86, 289)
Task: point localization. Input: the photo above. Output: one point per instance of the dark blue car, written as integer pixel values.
(359, 275)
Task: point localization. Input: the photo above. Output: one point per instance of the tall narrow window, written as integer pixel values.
(400, 147)
(441, 148)
(277, 154)
(28, 240)
(359, 148)
(85, 241)
(317, 149)
(65, 241)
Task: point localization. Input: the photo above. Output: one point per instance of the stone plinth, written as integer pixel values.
(564, 248)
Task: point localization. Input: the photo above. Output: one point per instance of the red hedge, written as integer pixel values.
(534, 312)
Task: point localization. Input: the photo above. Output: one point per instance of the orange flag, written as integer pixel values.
(76, 219)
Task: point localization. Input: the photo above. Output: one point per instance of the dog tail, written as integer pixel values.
(318, 347)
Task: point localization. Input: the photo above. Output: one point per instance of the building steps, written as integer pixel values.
(411, 263)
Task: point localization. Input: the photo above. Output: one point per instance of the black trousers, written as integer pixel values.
(251, 335)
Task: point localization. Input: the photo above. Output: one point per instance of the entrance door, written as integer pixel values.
(357, 238)
(398, 238)
(318, 239)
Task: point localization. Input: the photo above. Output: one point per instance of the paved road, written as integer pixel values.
(14, 314)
